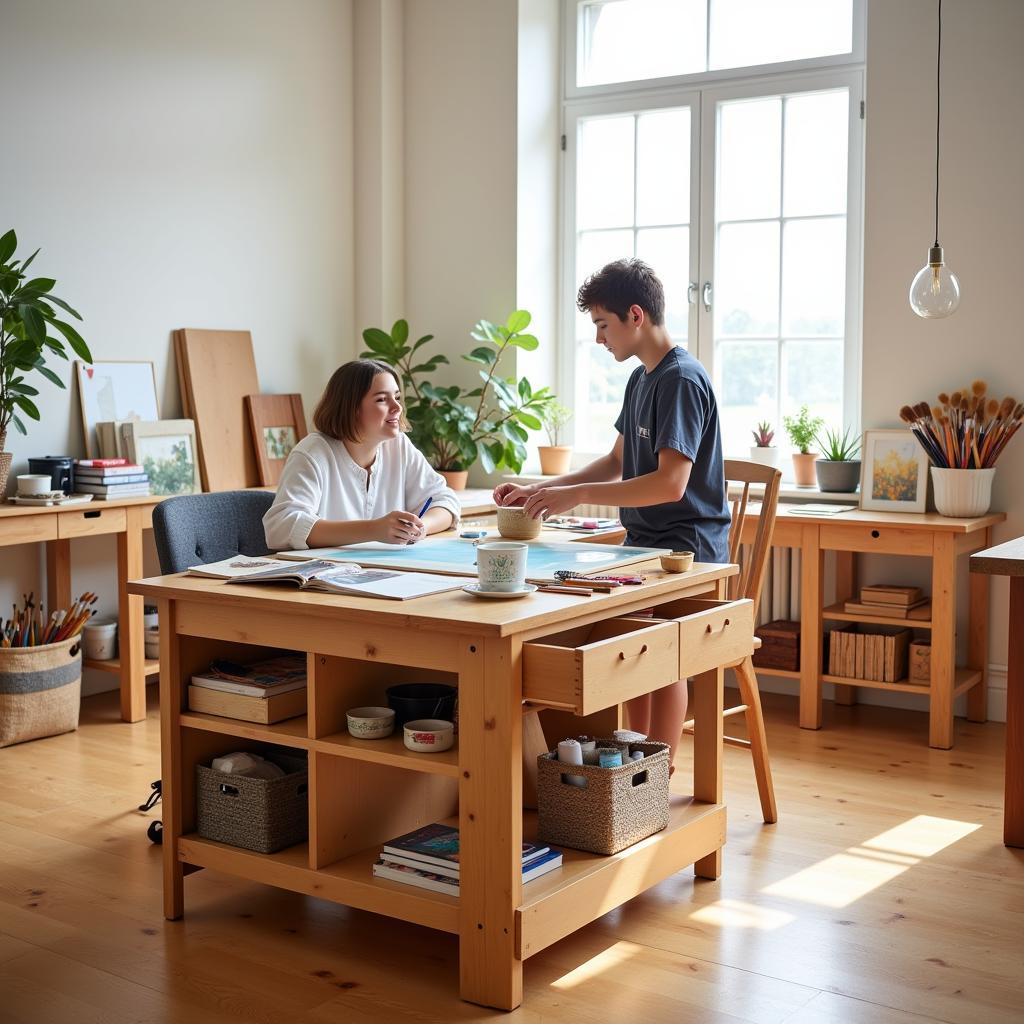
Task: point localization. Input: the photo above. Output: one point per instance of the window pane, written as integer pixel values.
(815, 153)
(663, 167)
(748, 32)
(814, 277)
(749, 158)
(667, 251)
(746, 296)
(812, 375)
(605, 177)
(600, 385)
(593, 250)
(746, 383)
(632, 40)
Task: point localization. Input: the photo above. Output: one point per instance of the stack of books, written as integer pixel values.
(110, 478)
(429, 858)
(891, 602)
(265, 692)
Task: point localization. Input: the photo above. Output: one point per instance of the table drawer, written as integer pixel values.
(711, 633)
(593, 667)
(27, 529)
(890, 540)
(89, 521)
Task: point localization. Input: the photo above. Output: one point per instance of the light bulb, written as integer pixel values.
(935, 291)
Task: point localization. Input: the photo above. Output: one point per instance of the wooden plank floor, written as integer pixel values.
(884, 895)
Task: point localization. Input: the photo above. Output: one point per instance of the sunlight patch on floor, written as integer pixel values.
(738, 914)
(606, 960)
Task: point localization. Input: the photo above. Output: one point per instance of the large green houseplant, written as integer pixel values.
(28, 313)
(455, 427)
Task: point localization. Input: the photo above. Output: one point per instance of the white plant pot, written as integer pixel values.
(765, 456)
(963, 493)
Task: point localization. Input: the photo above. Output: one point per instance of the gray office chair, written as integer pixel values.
(197, 528)
(194, 529)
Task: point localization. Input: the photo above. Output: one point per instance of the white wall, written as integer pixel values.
(185, 164)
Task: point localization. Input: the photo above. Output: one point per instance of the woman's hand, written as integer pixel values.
(512, 494)
(399, 528)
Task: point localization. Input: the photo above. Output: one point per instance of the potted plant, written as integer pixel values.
(802, 430)
(28, 312)
(554, 457)
(763, 450)
(838, 469)
(456, 427)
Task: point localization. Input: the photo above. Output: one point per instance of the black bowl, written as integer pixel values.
(421, 700)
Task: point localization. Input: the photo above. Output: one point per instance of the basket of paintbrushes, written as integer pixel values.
(41, 671)
(963, 437)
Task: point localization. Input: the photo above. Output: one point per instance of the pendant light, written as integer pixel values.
(935, 291)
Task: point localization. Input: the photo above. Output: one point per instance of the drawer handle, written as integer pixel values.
(623, 656)
(722, 630)
(92, 515)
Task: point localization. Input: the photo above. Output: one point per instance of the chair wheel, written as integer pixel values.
(156, 832)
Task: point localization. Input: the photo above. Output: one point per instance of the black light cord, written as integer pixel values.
(938, 114)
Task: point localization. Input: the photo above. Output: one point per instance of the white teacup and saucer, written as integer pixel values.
(501, 571)
(477, 591)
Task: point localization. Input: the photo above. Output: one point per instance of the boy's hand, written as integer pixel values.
(552, 501)
(512, 494)
(399, 528)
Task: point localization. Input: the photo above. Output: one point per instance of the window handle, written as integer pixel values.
(691, 293)
(706, 295)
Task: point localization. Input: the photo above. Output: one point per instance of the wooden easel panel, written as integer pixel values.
(273, 411)
(220, 370)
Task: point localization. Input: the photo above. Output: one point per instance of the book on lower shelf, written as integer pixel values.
(260, 679)
(261, 710)
(884, 593)
(878, 655)
(920, 611)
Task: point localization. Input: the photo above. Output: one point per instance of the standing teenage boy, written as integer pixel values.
(665, 470)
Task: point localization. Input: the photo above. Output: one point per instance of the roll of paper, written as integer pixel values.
(637, 755)
(587, 743)
(609, 757)
(570, 752)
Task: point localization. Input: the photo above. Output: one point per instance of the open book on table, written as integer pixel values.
(349, 578)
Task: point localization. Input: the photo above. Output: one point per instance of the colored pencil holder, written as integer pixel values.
(40, 690)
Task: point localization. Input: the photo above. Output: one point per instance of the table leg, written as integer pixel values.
(130, 612)
(810, 629)
(170, 762)
(977, 640)
(846, 587)
(58, 575)
(490, 821)
(708, 695)
(943, 655)
(1013, 813)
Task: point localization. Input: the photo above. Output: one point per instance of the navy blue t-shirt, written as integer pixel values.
(674, 407)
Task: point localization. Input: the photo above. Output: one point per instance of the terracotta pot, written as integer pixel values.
(455, 478)
(554, 459)
(803, 468)
(5, 463)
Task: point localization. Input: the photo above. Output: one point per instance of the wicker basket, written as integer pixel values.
(40, 690)
(262, 815)
(616, 808)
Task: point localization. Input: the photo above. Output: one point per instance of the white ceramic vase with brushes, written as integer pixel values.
(962, 493)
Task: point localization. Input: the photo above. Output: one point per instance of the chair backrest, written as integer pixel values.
(750, 581)
(194, 529)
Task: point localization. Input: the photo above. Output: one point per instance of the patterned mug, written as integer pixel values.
(501, 565)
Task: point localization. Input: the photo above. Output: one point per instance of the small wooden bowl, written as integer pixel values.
(677, 561)
(515, 524)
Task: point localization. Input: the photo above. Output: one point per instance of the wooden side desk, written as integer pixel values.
(1008, 560)
(928, 535)
(362, 793)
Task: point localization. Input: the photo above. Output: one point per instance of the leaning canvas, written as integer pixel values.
(114, 391)
(166, 450)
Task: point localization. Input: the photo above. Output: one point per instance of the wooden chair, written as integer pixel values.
(749, 584)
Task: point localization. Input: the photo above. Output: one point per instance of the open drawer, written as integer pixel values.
(593, 667)
(711, 633)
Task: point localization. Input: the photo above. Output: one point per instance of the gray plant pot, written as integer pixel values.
(840, 477)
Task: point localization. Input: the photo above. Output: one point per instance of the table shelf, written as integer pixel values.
(150, 666)
(836, 612)
(965, 678)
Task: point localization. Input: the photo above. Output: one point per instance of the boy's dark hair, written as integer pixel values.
(622, 284)
(336, 414)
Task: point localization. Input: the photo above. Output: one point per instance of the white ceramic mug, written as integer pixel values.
(34, 483)
(99, 640)
(501, 565)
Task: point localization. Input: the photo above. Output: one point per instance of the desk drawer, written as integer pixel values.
(890, 540)
(593, 667)
(89, 521)
(711, 633)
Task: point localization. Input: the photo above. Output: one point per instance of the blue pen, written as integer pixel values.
(426, 505)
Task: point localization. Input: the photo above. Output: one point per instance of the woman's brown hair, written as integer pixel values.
(337, 412)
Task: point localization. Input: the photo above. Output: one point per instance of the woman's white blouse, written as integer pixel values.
(321, 480)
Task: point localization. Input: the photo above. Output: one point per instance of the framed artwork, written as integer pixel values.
(166, 450)
(893, 472)
(114, 391)
(277, 423)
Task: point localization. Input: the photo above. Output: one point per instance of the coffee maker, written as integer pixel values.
(60, 469)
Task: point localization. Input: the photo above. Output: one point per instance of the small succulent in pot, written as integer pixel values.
(763, 435)
(762, 450)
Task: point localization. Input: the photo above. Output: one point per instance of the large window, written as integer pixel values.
(741, 189)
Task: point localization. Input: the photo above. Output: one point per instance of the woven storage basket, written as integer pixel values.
(40, 690)
(616, 808)
(262, 815)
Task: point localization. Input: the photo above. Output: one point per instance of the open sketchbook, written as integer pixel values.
(349, 578)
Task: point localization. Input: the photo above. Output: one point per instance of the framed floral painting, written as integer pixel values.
(893, 472)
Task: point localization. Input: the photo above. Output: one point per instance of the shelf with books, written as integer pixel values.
(390, 751)
(292, 732)
(150, 666)
(837, 612)
(965, 678)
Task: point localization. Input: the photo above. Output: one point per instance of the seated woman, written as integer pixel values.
(358, 478)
